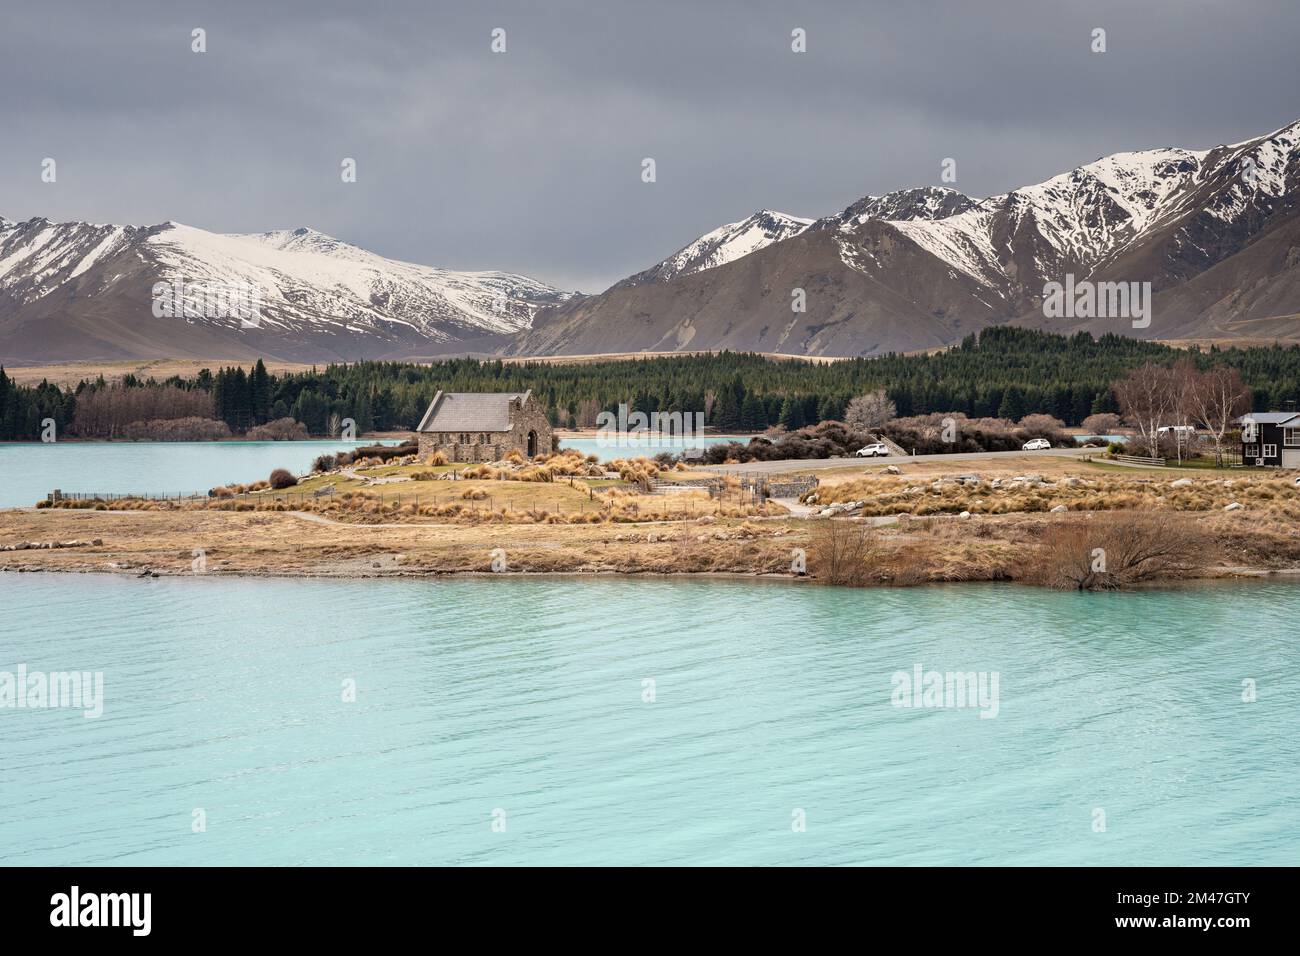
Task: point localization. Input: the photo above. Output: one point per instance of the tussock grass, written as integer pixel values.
(904, 495)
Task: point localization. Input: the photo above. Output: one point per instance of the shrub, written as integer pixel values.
(177, 429)
(841, 552)
(1116, 549)
(325, 463)
(282, 478)
(1103, 423)
(282, 429)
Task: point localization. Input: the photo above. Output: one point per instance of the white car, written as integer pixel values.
(872, 451)
(1036, 444)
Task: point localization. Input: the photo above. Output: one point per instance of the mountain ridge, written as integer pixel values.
(84, 290)
(918, 264)
(1215, 231)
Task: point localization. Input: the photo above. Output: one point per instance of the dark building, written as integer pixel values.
(1271, 439)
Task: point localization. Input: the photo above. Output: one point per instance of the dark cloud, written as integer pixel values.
(530, 161)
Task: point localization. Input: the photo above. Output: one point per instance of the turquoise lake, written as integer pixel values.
(607, 450)
(524, 697)
(29, 471)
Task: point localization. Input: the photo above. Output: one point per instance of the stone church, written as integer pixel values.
(484, 426)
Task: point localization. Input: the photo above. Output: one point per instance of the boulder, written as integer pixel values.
(1180, 483)
(1232, 507)
(893, 470)
(1059, 508)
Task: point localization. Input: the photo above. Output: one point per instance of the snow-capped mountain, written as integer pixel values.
(81, 288)
(1215, 231)
(903, 205)
(724, 244)
(1070, 222)
(766, 227)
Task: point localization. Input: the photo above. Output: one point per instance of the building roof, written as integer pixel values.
(1270, 418)
(470, 411)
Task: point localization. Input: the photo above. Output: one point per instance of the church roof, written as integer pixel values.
(470, 411)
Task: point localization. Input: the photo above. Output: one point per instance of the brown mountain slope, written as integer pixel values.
(866, 292)
(1212, 230)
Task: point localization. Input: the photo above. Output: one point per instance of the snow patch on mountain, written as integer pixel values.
(903, 205)
(963, 241)
(1082, 216)
(114, 237)
(725, 244)
(33, 252)
(1262, 171)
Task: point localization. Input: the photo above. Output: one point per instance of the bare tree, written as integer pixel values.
(1147, 397)
(1216, 399)
(106, 412)
(870, 411)
(1182, 381)
(1103, 423)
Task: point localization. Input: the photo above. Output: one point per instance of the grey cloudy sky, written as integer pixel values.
(530, 161)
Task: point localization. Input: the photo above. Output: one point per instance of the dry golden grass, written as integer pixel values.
(269, 537)
(70, 373)
(271, 542)
(467, 501)
(576, 524)
(899, 495)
